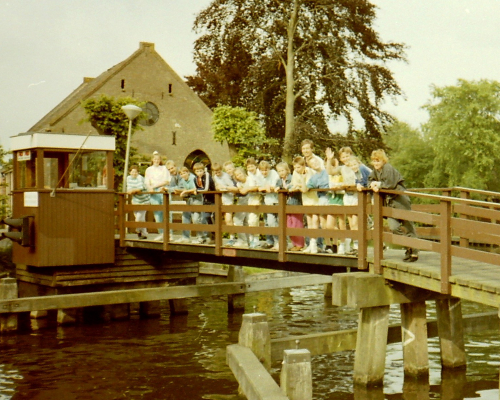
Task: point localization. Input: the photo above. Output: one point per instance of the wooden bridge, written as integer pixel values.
(459, 239)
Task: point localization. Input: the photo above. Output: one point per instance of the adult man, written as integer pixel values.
(307, 147)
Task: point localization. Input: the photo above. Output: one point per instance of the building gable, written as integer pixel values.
(184, 121)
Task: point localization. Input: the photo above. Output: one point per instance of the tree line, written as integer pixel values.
(295, 65)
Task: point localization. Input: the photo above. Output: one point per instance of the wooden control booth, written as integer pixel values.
(66, 183)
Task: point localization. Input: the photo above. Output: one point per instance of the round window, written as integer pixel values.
(152, 114)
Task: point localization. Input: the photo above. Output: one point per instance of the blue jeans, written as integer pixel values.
(272, 222)
(157, 199)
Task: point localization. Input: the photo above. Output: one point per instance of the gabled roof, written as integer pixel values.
(89, 87)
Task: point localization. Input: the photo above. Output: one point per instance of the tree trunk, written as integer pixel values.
(289, 141)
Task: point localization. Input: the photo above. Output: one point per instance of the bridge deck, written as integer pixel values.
(470, 280)
(325, 264)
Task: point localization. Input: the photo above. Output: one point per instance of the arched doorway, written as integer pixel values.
(196, 157)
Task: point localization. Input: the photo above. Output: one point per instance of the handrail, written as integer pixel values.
(449, 217)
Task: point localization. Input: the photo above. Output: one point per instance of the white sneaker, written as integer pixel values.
(314, 247)
(240, 243)
(307, 249)
(158, 238)
(197, 241)
(341, 249)
(183, 240)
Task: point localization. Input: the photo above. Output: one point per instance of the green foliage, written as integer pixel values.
(243, 131)
(107, 117)
(410, 153)
(464, 130)
(297, 63)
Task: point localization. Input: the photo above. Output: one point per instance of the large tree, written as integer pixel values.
(464, 130)
(298, 62)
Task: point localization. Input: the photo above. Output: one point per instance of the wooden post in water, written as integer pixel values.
(296, 374)
(254, 334)
(8, 290)
(235, 302)
(67, 316)
(371, 344)
(178, 306)
(117, 311)
(150, 309)
(451, 333)
(414, 338)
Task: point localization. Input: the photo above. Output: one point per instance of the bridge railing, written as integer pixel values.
(218, 228)
(448, 225)
(452, 226)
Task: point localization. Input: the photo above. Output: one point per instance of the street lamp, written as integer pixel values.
(131, 111)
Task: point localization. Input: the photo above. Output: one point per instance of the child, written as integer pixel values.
(319, 180)
(241, 218)
(136, 186)
(385, 176)
(248, 190)
(301, 175)
(269, 183)
(187, 190)
(351, 197)
(293, 199)
(338, 177)
(224, 182)
(229, 169)
(346, 153)
(252, 184)
(204, 183)
(175, 177)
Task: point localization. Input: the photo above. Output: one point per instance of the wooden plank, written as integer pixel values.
(102, 281)
(476, 255)
(255, 381)
(120, 274)
(118, 297)
(292, 281)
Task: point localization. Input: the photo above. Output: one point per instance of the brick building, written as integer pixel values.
(179, 122)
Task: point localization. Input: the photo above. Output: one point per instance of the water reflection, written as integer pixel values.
(183, 357)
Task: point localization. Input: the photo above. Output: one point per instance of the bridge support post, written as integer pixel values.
(118, 311)
(68, 316)
(327, 290)
(296, 374)
(451, 333)
(235, 302)
(178, 306)
(149, 309)
(8, 290)
(371, 340)
(254, 334)
(414, 338)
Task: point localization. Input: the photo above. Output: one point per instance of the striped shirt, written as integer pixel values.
(138, 183)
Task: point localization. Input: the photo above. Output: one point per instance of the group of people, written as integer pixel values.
(258, 183)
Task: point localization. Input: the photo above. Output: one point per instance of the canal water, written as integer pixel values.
(183, 357)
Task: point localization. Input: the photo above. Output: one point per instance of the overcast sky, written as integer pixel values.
(47, 47)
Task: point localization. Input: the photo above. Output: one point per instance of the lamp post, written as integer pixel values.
(131, 111)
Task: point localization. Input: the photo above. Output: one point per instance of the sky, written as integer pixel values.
(47, 47)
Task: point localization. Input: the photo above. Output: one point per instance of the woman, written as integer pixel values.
(157, 177)
(385, 176)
